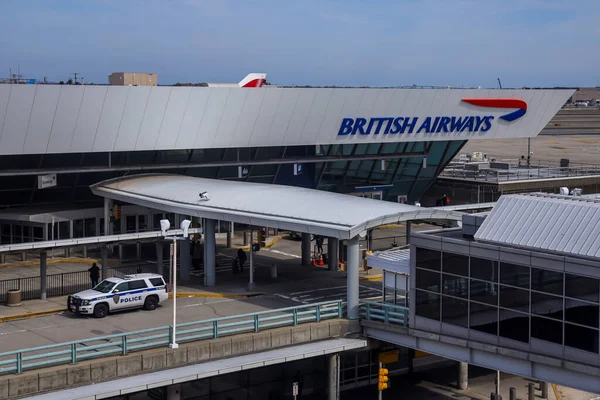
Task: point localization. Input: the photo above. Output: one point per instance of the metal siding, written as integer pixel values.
(553, 223)
(315, 113)
(88, 118)
(131, 122)
(192, 119)
(110, 118)
(41, 119)
(16, 121)
(259, 132)
(171, 124)
(65, 118)
(212, 118)
(153, 117)
(229, 120)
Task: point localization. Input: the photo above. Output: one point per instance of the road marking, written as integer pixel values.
(283, 253)
(206, 304)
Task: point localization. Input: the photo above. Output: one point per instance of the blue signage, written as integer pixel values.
(392, 126)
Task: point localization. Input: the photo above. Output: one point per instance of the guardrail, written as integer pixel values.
(64, 283)
(75, 351)
(384, 312)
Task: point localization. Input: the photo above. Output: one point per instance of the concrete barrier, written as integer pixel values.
(105, 369)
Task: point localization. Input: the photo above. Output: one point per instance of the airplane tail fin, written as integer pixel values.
(253, 80)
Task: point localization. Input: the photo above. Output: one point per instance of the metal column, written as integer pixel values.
(332, 253)
(43, 276)
(353, 256)
(185, 259)
(408, 226)
(106, 217)
(209, 252)
(333, 376)
(463, 376)
(159, 258)
(306, 249)
(104, 259)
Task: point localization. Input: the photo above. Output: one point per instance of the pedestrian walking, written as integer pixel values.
(94, 274)
(241, 255)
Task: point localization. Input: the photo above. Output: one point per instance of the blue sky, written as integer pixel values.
(318, 42)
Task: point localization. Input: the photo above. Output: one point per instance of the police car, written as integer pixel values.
(120, 293)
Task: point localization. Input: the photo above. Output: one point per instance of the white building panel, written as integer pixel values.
(171, 124)
(315, 117)
(192, 119)
(230, 118)
(153, 117)
(212, 117)
(16, 121)
(65, 118)
(131, 122)
(266, 115)
(42, 117)
(88, 118)
(110, 119)
(160, 118)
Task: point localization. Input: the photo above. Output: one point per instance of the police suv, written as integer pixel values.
(120, 293)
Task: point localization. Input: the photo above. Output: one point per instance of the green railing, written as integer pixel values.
(384, 312)
(121, 344)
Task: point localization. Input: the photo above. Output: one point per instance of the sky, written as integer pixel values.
(462, 43)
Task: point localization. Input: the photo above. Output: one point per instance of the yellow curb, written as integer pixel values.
(271, 243)
(32, 314)
(389, 226)
(556, 392)
(371, 278)
(217, 295)
(57, 261)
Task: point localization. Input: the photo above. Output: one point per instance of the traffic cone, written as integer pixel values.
(314, 262)
(321, 260)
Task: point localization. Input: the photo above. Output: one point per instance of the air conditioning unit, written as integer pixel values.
(564, 191)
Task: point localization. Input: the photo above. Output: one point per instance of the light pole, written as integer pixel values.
(164, 227)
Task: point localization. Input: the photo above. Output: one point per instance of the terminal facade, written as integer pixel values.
(388, 144)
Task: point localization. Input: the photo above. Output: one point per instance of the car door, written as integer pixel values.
(120, 293)
(137, 293)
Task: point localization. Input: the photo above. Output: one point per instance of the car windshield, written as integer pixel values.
(104, 286)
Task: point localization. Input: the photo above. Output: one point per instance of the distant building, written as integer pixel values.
(132, 79)
(586, 95)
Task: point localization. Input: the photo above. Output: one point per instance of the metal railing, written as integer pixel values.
(121, 344)
(540, 170)
(384, 312)
(62, 284)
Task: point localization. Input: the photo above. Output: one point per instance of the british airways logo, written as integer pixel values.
(446, 124)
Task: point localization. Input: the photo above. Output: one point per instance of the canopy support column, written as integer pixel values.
(332, 253)
(209, 252)
(306, 249)
(352, 255)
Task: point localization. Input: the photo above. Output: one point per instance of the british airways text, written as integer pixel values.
(392, 126)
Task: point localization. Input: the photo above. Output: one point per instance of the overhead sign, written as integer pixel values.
(242, 171)
(439, 124)
(298, 169)
(46, 181)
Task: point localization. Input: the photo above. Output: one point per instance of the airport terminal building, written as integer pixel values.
(389, 144)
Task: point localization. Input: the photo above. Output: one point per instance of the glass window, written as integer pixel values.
(90, 227)
(455, 264)
(484, 292)
(139, 284)
(142, 225)
(428, 305)
(581, 338)
(581, 287)
(486, 270)
(483, 318)
(157, 282)
(428, 280)
(78, 228)
(546, 305)
(546, 329)
(429, 259)
(455, 286)
(122, 287)
(547, 281)
(130, 223)
(455, 311)
(581, 313)
(517, 299)
(514, 275)
(514, 326)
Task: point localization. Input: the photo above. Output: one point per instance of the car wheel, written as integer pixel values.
(100, 311)
(150, 303)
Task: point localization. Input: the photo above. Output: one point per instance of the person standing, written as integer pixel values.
(241, 255)
(94, 274)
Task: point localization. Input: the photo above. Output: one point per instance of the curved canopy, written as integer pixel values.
(264, 205)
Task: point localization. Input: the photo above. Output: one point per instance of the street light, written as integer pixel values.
(164, 227)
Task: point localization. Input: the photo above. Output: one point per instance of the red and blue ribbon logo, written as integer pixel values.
(519, 104)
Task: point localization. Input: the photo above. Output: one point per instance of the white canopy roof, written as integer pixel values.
(264, 205)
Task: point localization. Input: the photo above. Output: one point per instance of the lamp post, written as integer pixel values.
(164, 227)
